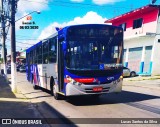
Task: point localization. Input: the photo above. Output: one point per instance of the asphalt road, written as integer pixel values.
(139, 99)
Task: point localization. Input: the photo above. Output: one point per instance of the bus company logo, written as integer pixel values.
(95, 80)
(6, 121)
(110, 78)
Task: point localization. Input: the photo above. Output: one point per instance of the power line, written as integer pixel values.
(21, 42)
(22, 37)
(64, 3)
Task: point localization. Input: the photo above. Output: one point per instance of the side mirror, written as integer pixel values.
(64, 45)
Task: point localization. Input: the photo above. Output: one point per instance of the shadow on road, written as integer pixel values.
(5, 89)
(52, 116)
(12, 107)
(111, 98)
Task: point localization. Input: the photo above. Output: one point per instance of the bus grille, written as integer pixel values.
(96, 83)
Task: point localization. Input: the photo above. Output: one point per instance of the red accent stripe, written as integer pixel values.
(84, 80)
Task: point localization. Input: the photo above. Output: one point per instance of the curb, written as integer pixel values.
(143, 78)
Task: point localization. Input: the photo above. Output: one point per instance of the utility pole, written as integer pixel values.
(13, 48)
(3, 41)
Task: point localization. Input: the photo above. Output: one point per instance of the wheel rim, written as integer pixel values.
(54, 90)
(132, 74)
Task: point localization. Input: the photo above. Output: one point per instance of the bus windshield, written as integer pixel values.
(88, 52)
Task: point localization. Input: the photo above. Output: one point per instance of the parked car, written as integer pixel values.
(18, 67)
(128, 73)
(8, 70)
(22, 69)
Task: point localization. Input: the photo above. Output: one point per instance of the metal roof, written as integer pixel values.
(143, 9)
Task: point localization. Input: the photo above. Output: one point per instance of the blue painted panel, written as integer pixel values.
(150, 68)
(141, 67)
(125, 64)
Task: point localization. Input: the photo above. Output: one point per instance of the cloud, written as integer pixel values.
(90, 18)
(36, 5)
(77, 1)
(101, 2)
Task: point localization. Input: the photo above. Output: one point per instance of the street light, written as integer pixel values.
(13, 45)
(38, 12)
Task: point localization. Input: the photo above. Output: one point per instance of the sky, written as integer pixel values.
(60, 13)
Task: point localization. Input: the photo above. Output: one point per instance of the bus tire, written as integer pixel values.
(51, 85)
(35, 87)
(55, 94)
(53, 89)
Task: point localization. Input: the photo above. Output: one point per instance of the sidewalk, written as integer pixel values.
(16, 105)
(141, 78)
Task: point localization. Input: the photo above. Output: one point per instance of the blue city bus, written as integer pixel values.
(78, 60)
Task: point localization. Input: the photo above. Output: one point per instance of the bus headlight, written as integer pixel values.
(70, 80)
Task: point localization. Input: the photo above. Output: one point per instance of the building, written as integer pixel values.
(0, 52)
(20, 57)
(141, 39)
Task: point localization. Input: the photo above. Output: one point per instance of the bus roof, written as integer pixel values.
(90, 25)
(62, 32)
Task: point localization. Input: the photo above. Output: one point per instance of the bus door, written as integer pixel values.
(60, 65)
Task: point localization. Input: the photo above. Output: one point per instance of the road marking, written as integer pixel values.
(145, 107)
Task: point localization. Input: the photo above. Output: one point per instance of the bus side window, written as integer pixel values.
(31, 57)
(34, 56)
(52, 50)
(45, 52)
(39, 52)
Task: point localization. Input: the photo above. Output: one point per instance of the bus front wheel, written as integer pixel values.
(35, 87)
(53, 89)
(55, 94)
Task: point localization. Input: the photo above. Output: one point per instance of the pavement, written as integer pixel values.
(16, 105)
(141, 78)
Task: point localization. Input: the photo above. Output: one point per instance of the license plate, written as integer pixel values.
(97, 89)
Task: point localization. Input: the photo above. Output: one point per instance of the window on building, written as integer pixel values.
(123, 26)
(137, 23)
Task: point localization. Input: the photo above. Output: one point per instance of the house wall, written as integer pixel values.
(147, 59)
(156, 52)
(149, 24)
(139, 61)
